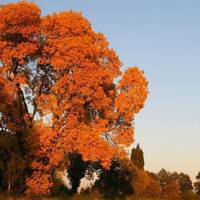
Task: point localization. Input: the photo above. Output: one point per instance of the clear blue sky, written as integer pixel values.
(163, 38)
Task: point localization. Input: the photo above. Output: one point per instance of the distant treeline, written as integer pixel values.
(128, 177)
(124, 178)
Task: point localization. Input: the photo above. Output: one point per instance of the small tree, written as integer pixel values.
(185, 182)
(117, 181)
(137, 157)
(164, 177)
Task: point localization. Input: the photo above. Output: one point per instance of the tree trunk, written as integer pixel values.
(76, 171)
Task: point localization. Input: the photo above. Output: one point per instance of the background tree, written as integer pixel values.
(168, 184)
(137, 157)
(184, 181)
(164, 178)
(171, 190)
(197, 184)
(117, 181)
(167, 180)
(145, 184)
(66, 72)
(153, 188)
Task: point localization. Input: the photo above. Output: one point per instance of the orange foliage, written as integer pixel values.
(145, 185)
(171, 190)
(39, 184)
(18, 29)
(66, 71)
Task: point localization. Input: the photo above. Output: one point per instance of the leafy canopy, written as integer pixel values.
(57, 66)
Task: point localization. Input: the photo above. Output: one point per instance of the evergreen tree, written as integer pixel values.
(137, 157)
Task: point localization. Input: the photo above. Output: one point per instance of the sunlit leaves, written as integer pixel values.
(65, 71)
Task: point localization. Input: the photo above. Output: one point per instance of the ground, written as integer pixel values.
(77, 197)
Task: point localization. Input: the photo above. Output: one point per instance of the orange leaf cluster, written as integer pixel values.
(65, 70)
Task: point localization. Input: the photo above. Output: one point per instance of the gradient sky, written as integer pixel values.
(163, 38)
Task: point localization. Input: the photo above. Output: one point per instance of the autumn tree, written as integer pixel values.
(171, 190)
(153, 188)
(14, 122)
(58, 93)
(137, 157)
(145, 184)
